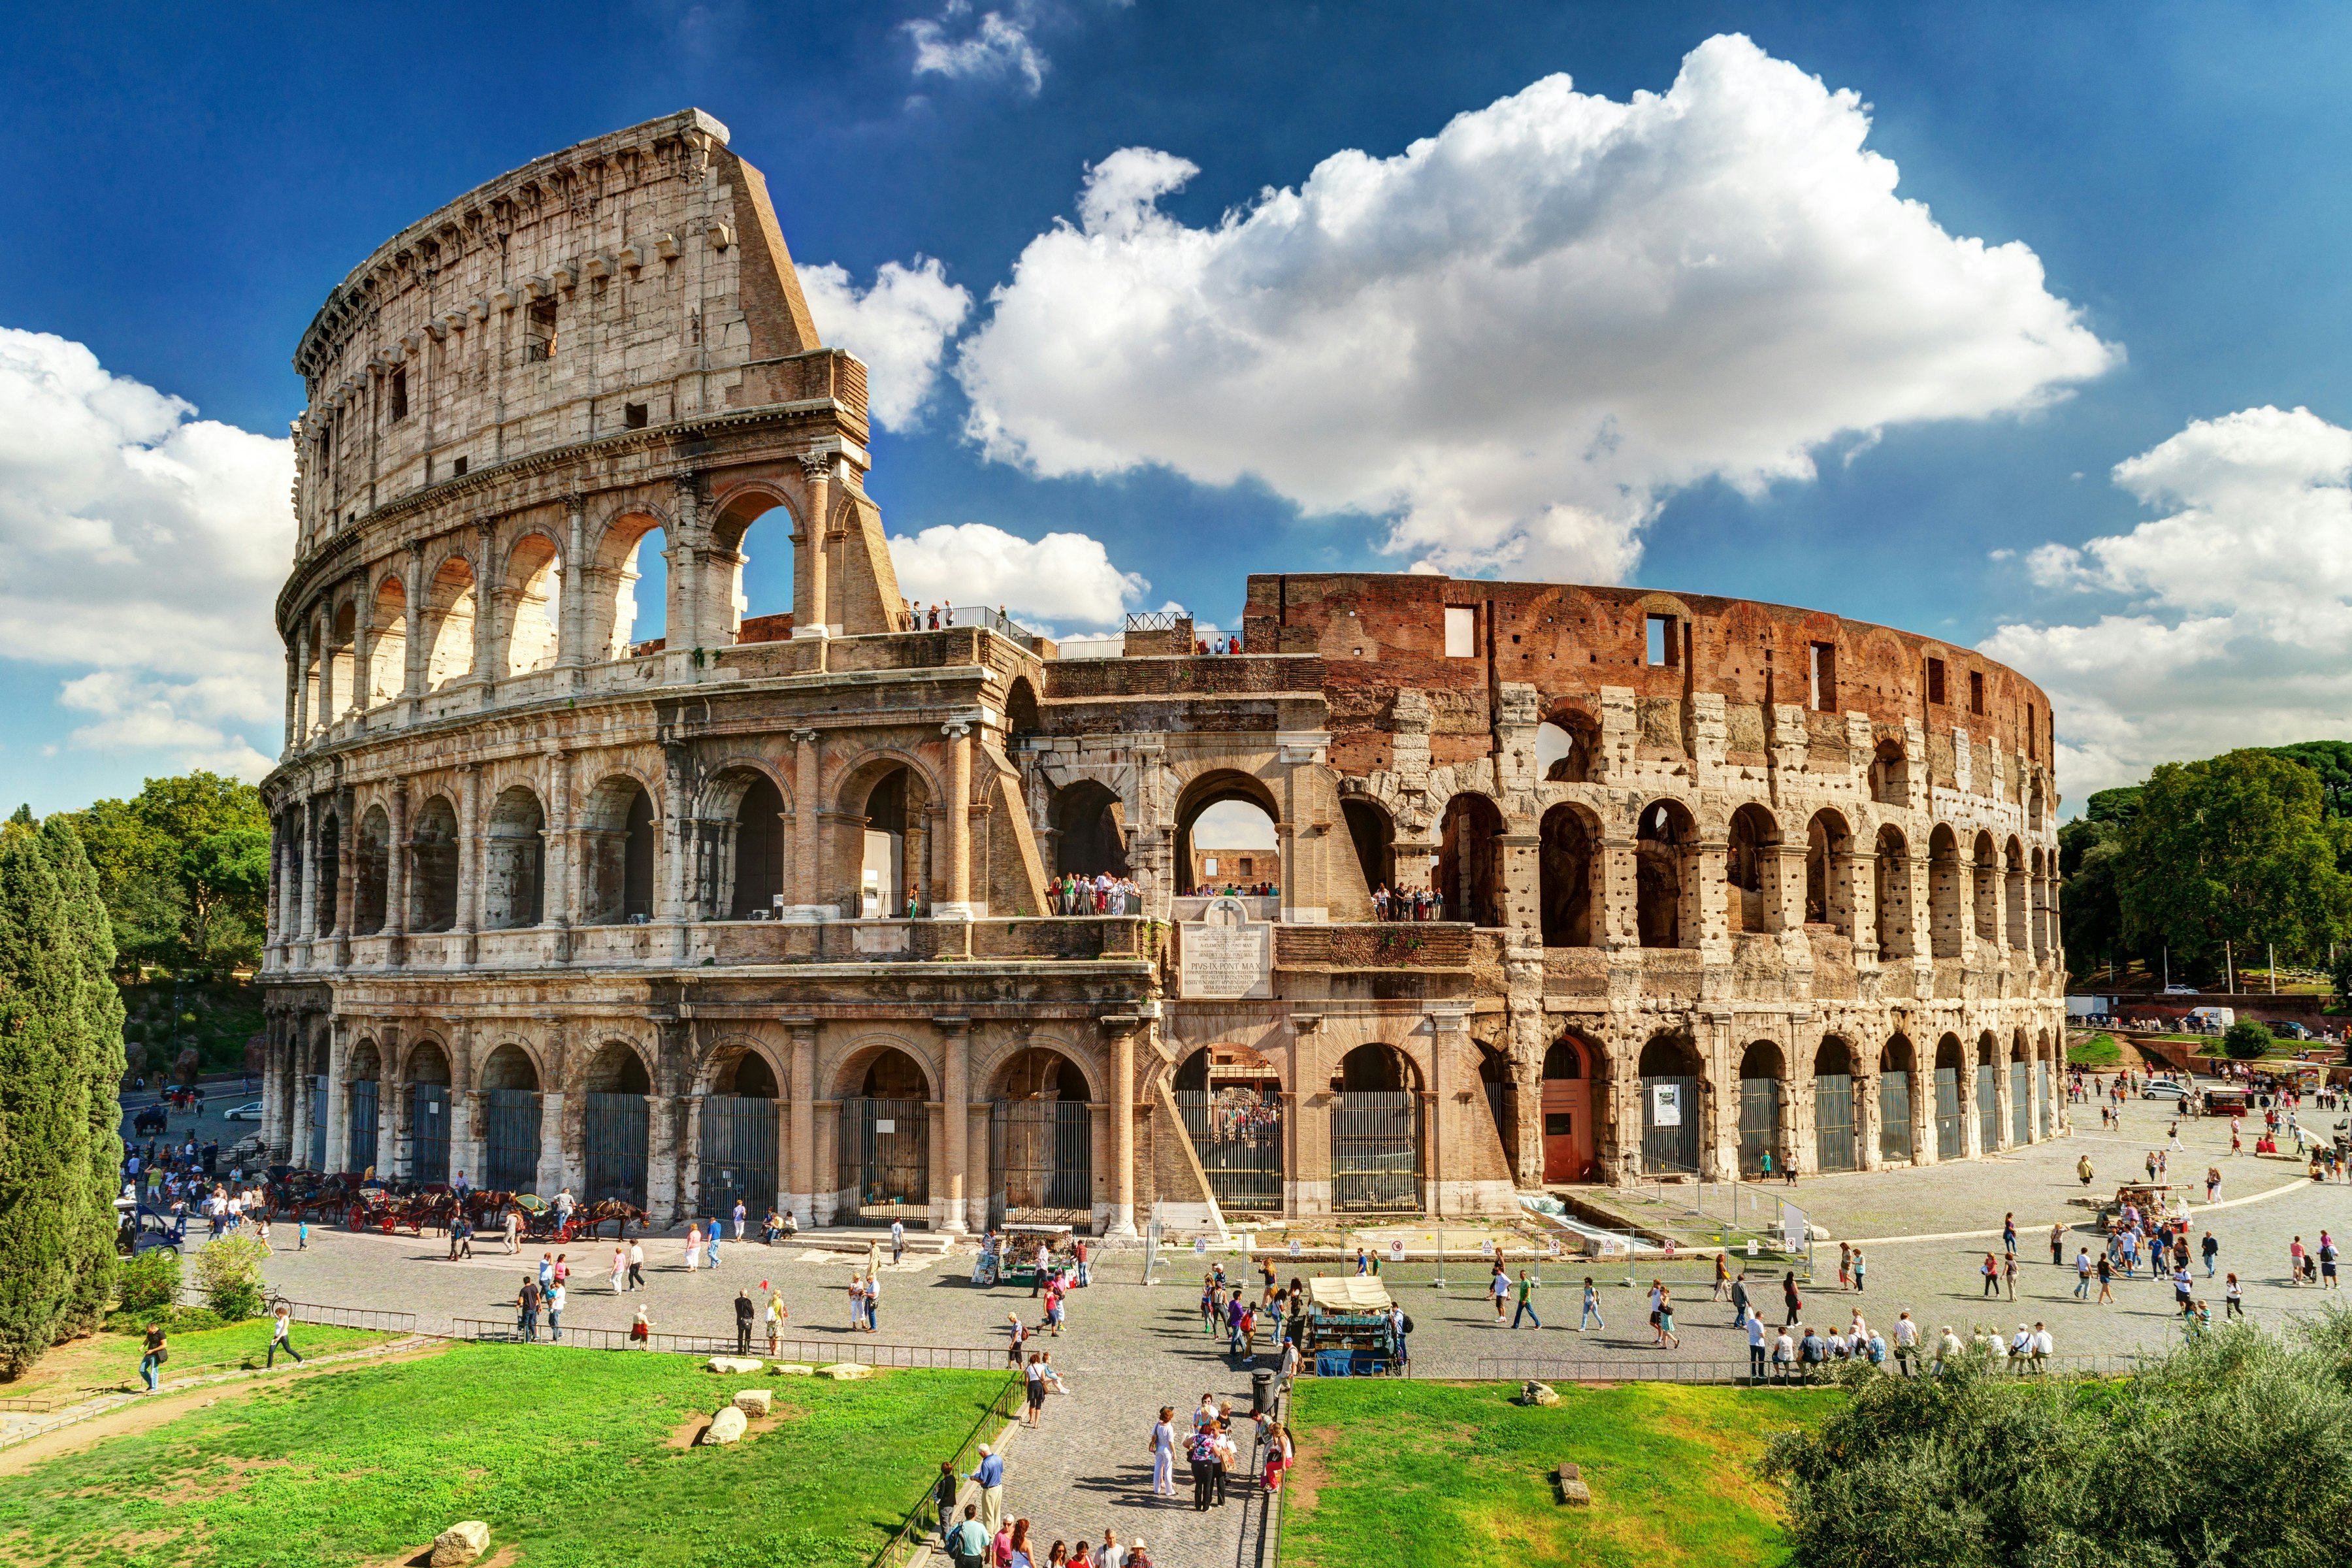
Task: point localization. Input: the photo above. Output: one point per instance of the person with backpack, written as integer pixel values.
(968, 1542)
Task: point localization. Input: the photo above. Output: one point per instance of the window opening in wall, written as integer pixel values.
(1824, 678)
(399, 396)
(1664, 648)
(1461, 632)
(1976, 692)
(2032, 734)
(539, 332)
(457, 468)
(632, 415)
(1935, 680)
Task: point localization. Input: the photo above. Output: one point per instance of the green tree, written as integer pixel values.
(97, 1023)
(45, 1117)
(2090, 918)
(183, 867)
(2332, 761)
(228, 1271)
(2246, 1040)
(2234, 850)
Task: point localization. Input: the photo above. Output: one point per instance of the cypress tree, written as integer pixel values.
(42, 1197)
(97, 1028)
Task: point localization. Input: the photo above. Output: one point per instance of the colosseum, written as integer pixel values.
(765, 907)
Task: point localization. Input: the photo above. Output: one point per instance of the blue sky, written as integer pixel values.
(184, 189)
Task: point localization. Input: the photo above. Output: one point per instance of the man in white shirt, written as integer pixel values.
(898, 1241)
(1784, 1353)
(2045, 1345)
(1907, 1342)
(1755, 1348)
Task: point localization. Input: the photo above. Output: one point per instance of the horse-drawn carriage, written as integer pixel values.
(541, 1221)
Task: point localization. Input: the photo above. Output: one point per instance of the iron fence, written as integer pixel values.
(911, 1542)
(613, 1129)
(1237, 1135)
(1043, 1160)
(1833, 1139)
(1662, 1369)
(1895, 1116)
(739, 1153)
(1951, 1131)
(1376, 1153)
(345, 1317)
(428, 1132)
(816, 1352)
(511, 1144)
(363, 1140)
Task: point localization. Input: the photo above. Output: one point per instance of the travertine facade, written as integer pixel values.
(759, 908)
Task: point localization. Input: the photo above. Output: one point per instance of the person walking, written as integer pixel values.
(641, 1331)
(776, 1315)
(711, 1243)
(1200, 1450)
(637, 1265)
(1907, 1344)
(156, 1352)
(620, 1267)
(2009, 1233)
(874, 1301)
(968, 1542)
(740, 1215)
(1526, 1302)
(1162, 1444)
(1845, 1267)
(526, 1305)
(2233, 1299)
(2058, 1246)
(856, 1302)
(2106, 1268)
(897, 1241)
(2009, 1274)
(744, 1312)
(1755, 1350)
(1861, 1270)
(1499, 1286)
(555, 1300)
(2211, 1247)
(1991, 1270)
(1666, 1319)
(1033, 1378)
(991, 1476)
(2081, 1274)
(1591, 1314)
(280, 1323)
(1788, 1294)
(513, 1230)
(693, 1246)
(1740, 1303)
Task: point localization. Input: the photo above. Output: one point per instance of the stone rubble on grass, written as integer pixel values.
(1574, 1492)
(1538, 1394)
(793, 1368)
(461, 1542)
(727, 1427)
(736, 1365)
(754, 1401)
(845, 1370)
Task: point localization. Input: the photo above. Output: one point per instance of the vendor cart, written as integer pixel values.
(1015, 1261)
(2158, 1203)
(2227, 1102)
(1348, 1333)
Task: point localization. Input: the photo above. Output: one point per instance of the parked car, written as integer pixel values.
(2180, 991)
(245, 1113)
(2164, 1089)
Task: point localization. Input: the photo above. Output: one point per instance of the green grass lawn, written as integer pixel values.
(109, 1361)
(567, 1454)
(1456, 1476)
(2098, 1051)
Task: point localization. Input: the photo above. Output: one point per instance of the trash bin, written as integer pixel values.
(1261, 1391)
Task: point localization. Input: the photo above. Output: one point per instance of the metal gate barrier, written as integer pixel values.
(885, 1162)
(1988, 1107)
(1669, 1126)
(1042, 1152)
(1376, 1151)
(1833, 1139)
(2049, 1103)
(359, 1148)
(510, 1141)
(2020, 1104)
(739, 1156)
(1951, 1127)
(428, 1132)
(1237, 1136)
(1895, 1116)
(613, 1139)
(318, 1151)
(1760, 1123)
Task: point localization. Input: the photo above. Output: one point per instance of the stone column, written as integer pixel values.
(301, 686)
(347, 880)
(323, 640)
(299, 1152)
(958, 904)
(555, 1172)
(1971, 1122)
(808, 833)
(800, 1185)
(812, 592)
(1119, 1031)
(339, 1119)
(293, 700)
(1867, 1110)
(362, 612)
(1447, 1026)
(955, 1099)
(689, 1156)
(306, 926)
(555, 864)
(469, 862)
(489, 601)
(396, 877)
(416, 660)
(569, 634)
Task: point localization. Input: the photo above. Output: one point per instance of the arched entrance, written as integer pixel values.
(361, 1112)
(1669, 1073)
(1231, 1101)
(510, 1121)
(1374, 837)
(1227, 839)
(433, 866)
(1835, 1145)
(614, 1125)
(1469, 877)
(1988, 1094)
(428, 1114)
(1089, 830)
(1663, 853)
(1568, 1075)
(617, 843)
(1376, 1134)
(738, 1137)
(1754, 838)
(885, 1147)
(1894, 1099)
(1571, 840)
(1951, 1129)
(2020, 1094)
(371, 872)
(1762, 1070)
(1041, 1142)
(514, 890)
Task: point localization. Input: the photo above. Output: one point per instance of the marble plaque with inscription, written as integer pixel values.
(1225, 955)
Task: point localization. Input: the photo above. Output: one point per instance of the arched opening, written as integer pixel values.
(373, 871)
(2020, 938)
(1230, 1098)
(1669, 1067)
(388, 642)
(329, 850)
(1891, 894)
(1945, 919)
(2021, 1093)
(739, 1138)
(885, 1144)
(895, 801)
(616, 837)
(1748, 866)
(1835, 1145)
(1564, 749)
(1374, 838)
(1987, 890)
(433, 866)
(632, 616)
(740, 846)
(2046, 1069)
(1664, 848)
(1041, 1142)
(1829, 890)
(1894, 1099)
(1376, 1132)
(1022, 715)
(1089, 831)
(428, 1114)
(1763, 1072)
(450, 610)
(1890, 774)
(2037, 923)
(343, 666)
(741, 574)
(1570, 1078)
(1988, 1094)
(1225, 838)
(1571, 853)
(514, 883)
(614, 1117)
(1951, 1127)
(363, 1112)
(1469, 879)
(533, 609)
(2037, 804)
(510, 1106)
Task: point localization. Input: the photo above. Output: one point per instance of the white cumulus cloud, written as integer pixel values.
(993, 47)
(1510, 340)
(899, 326)
(1063, 579)
(142, 547)
(2225, 622)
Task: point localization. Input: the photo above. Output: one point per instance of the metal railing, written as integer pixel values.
(910, 1539)
(955, 1358)
(1156, 620)
(344, 1317)
(1546, 1369)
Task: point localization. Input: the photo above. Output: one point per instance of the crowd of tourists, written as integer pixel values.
(1406, 904)
(1102, 894)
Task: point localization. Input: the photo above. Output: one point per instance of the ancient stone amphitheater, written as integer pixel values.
(762, 907)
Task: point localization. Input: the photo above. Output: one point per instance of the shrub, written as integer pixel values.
(228, 1271)
(2246, 1040)
(150, 1281)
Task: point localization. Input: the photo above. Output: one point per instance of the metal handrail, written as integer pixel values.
(954, 1358)
(911, 1539)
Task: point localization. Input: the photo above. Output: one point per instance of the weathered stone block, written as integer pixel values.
(461, 1542)
(727, 1427)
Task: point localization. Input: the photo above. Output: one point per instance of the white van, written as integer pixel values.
(2214, 1018)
